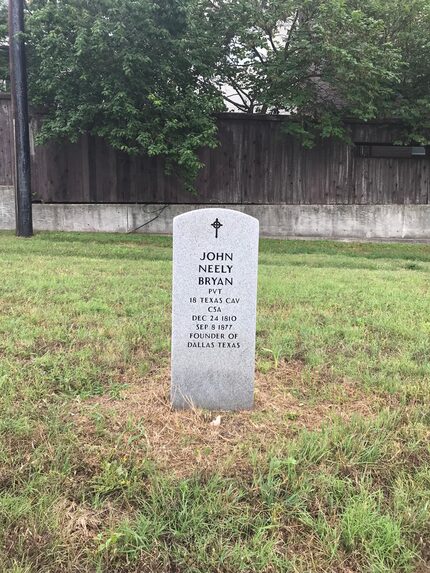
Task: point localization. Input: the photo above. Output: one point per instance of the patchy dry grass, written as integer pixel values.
(330, 472)
(182, 442)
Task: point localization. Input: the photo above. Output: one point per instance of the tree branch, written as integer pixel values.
(290, 33)
(257, 53)
(242, 107)
(272, 43)
(240, 91)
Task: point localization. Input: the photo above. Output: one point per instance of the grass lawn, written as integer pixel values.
(329, 473)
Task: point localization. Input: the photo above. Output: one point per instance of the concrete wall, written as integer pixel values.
(7, 208)
(389, 222)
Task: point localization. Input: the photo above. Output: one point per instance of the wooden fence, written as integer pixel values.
(6, 142)
(255, 163)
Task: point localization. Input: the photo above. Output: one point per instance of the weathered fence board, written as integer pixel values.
(255, 163)
(6, 142)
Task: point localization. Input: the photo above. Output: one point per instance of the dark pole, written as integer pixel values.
(18, 73)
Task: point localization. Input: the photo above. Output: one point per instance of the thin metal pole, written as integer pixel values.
(18, 72)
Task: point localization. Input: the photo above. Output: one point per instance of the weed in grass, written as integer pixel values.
(276, 355)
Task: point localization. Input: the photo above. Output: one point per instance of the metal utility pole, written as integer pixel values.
(18, 73)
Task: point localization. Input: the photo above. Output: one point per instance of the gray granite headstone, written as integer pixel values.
(215, 258)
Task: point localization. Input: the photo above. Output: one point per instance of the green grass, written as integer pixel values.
(83, 315)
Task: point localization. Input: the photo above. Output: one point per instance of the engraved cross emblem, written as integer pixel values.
(216, 225)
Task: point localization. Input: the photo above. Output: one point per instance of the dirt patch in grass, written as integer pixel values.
(287, 400)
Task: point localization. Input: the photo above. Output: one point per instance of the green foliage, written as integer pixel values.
(4, 51)
(148, 76)
(408, 27)
(324, 60)
(125, 70)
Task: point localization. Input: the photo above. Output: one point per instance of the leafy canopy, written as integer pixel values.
(4, 48)
(125, 70)
(148, 75)
(322, 61)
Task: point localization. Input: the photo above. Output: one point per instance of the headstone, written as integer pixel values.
(215, 259)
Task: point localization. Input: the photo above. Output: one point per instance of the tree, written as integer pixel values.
(148, 75)
(4, 47)
(125, 70)
(407, 25)
(322, 61)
